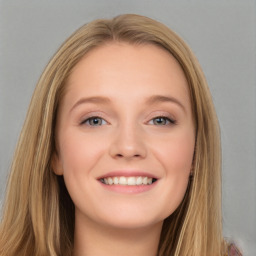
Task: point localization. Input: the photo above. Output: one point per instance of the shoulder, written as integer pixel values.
(233, 250)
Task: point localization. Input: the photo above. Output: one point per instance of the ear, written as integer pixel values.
(56, 164)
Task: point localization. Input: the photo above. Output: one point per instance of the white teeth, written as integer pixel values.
(122, 181)
(115, 179)
(139, 181)
(110, 181)
(130, 181)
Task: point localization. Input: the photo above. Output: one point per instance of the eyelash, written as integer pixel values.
(92, 118)
(167, 121)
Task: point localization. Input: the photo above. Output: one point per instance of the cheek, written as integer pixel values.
(79, 155)
(175, 157)
(79, 152)
(176, 153)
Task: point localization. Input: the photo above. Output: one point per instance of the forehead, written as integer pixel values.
(115, 69)
(129, 56)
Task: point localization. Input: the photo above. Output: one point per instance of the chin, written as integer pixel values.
(132, 218)
(131, 223)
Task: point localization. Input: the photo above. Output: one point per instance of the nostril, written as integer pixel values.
(135, 155)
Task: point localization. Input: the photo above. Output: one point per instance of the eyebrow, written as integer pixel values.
(149, 101)
(160, 98)
(95, 99)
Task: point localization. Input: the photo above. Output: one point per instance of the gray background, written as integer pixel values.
(222, 33)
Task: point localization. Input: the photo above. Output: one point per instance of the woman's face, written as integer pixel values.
(125, 119)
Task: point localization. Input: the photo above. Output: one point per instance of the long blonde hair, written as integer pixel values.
(38, 214)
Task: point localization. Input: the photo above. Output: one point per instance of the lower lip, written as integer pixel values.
(126, 189)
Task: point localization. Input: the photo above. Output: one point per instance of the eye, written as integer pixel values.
(94, 121)
(162, 120)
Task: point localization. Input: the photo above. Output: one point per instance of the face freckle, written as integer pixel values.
(126, 116)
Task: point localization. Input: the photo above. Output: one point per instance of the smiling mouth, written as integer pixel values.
(128, 181)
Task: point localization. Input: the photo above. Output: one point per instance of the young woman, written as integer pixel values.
(120, 150)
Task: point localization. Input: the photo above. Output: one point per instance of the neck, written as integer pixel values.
(91, 239)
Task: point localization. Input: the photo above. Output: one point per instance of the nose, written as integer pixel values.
(128, 143)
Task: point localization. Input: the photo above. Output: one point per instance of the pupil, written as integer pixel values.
(160, 120)
(95, 121)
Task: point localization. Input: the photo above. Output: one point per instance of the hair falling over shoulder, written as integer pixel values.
(38, 214)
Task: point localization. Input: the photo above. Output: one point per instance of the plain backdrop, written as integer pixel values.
(222, 33)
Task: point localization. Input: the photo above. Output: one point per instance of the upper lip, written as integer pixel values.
(127, 173)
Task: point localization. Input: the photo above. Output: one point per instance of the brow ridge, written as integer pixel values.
(150, 101)
(161, 98)
(93, 99)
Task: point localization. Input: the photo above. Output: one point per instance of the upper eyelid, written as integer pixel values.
(85, 119)
(91, 114)
(106, 117)
(171, 120)
(165, 114)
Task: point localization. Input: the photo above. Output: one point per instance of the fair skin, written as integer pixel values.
(126, 113)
